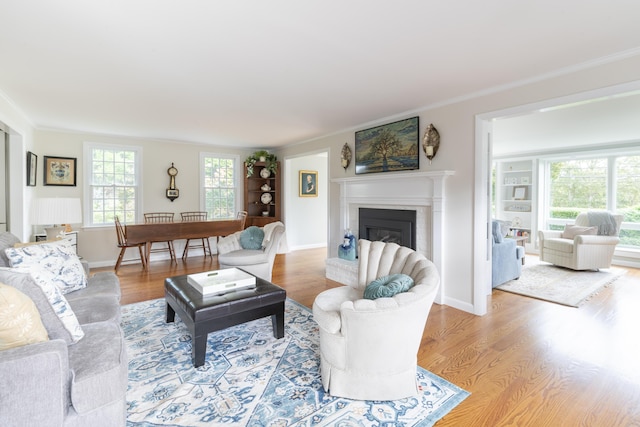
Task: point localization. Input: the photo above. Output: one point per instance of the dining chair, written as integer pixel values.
(158, 217)
(123, 245)
(242, 215)
(204, 241)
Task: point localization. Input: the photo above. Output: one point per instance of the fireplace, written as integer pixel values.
(388, 225)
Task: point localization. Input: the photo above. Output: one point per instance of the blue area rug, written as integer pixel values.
(252, 379)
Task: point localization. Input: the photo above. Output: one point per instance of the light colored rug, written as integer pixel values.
(252, 379)
(560, 285)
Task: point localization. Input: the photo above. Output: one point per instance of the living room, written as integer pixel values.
(458, 92)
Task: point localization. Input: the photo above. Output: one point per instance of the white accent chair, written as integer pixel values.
(582, 252)
(258, 262)
(369, 348)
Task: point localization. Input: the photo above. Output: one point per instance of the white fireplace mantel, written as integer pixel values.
(402, 190)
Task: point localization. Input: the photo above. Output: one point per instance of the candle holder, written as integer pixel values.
(431, 142)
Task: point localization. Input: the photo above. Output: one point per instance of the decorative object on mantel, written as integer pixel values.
(345, 156)
(388, 148)
(172, 192)
(262, 156)
(347, 250)
(431, 142)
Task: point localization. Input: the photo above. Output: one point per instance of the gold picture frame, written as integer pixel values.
(60, 171)
(308, 183)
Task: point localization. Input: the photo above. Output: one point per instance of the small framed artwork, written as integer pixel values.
(525, 180)
(519, 193)
(308, 183)
(32, 168)
(60, 171)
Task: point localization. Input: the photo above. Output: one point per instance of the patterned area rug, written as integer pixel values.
(560, 285)
(252, 379)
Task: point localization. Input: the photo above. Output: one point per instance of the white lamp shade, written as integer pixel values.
(56, 210)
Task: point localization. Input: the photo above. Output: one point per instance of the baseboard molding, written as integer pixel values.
(460, 305)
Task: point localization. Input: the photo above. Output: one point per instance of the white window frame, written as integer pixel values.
(610, 155)
(237, 178)
(88, 148)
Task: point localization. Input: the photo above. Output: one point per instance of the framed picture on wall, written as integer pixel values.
(32, 168)
(60, 171)
(388, 148)
(308, 183)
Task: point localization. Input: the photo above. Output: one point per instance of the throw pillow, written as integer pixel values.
(505, 227)
(251, 238)
(45, 280)
(388, 286)
(20, 322)
(60, 259)
(571, 231)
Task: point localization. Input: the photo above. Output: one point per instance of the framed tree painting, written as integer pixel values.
(308, 183)
(387, 148)
(60, 171)
(32, 168)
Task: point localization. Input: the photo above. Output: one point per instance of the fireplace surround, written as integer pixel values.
(422, 192)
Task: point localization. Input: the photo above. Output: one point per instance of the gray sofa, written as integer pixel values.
(58, 382)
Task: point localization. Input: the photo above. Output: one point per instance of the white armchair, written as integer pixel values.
(582, 251)
(368, 348)
(258, 262)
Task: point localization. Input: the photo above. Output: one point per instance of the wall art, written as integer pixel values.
(388, 148)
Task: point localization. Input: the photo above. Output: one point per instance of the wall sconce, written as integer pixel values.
(431, 142)
(345, 156)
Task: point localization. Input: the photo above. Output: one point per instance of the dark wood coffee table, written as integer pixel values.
(208, 313)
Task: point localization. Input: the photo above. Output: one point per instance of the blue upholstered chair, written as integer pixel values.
(506, 257)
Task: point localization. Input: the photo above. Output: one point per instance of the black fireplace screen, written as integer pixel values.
(388, 225)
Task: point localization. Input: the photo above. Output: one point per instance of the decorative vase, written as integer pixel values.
(347, 250)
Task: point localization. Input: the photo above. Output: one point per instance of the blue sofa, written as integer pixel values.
(506, 256)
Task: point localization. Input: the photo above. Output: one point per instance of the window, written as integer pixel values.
(219, 185)
(606, 182)
(627, 198)
(113, 177)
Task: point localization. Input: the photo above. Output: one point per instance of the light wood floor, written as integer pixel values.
(526, 363)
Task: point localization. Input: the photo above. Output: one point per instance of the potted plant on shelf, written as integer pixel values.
(269, 159)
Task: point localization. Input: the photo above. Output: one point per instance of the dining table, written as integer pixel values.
(148, 233)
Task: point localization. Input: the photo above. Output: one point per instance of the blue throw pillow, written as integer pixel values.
(388, 286)
(252, 237)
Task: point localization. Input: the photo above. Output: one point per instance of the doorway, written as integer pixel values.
(483, 158)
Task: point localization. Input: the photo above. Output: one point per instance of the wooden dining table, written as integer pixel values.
(148, 233)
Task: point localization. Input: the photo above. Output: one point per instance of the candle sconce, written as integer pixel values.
(431, 142)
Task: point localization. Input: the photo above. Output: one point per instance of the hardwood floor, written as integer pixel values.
(526, 363)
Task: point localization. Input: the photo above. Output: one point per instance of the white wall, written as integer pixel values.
(455, 122)
(306, 217)
(456, 125)
(98, 245)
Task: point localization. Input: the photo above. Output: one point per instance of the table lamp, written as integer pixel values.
(54, 212)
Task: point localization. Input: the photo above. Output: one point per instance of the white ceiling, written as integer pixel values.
(257, 73)
(597, 122)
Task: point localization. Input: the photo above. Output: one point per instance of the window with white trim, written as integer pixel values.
(219, 183)
(113, 189)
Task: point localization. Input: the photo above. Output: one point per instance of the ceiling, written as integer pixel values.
(264, 74)
(596, 122)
